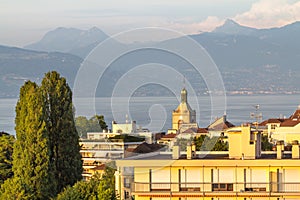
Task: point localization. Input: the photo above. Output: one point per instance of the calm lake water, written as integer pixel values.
(155, 112)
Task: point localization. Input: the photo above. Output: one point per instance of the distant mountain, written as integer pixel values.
(256, 59)
(235, 46)
(282, 36)
(233, 28)
(250, 60)
(69, 40)
(18, 65)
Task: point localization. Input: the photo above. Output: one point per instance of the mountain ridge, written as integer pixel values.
(68, 40)
(250, 60)
(18, 65)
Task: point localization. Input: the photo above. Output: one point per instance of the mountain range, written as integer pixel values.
(69, 40)
(250, 60)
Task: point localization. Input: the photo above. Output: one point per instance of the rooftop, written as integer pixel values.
(205, 155)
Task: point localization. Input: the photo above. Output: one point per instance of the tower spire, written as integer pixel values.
(183, 96)
(183, 92)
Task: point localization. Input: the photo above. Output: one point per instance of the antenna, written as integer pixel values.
(183, 81)
(256, 115)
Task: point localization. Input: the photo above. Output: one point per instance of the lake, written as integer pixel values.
(155, 112)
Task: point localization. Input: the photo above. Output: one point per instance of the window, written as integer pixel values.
(127, 182)
(222, 187)
(160, 179)
(252, 136)
(255, 179)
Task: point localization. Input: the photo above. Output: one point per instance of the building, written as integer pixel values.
(287, 130)
(183, 117)
(124, 128)
(91, 170)
(100, 135)
(168, 140)
(243, 173)
(98, 152)
(219, 126)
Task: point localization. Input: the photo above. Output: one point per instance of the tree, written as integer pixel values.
(100, 120)
(94, 124)
(31, 164)
(98, 188)
(81, 190)
(6, 150)
(82, 126)
(265, 144)
(65, 157)
(106, 188)
(46, 155)
(204, 143)
(12, 189)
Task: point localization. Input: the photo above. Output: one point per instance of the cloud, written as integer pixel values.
(188, 26)
(270, 13)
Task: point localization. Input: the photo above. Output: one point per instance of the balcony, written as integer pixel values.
(217, 189)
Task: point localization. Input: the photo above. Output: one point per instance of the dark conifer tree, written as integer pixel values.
(59, 120)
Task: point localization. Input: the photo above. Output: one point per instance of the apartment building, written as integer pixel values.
(95, 152)
(243, 173)
(283, 129)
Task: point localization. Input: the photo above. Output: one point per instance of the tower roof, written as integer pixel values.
(183, 95)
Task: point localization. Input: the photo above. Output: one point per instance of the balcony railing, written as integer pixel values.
(253, 187)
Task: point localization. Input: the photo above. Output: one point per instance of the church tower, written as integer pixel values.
(184, 114)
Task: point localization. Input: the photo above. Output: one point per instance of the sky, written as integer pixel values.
(24, 22)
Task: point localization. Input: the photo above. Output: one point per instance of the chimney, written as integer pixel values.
(280, 149)
(295, 150)
(175, 151)
(194, 147)
(190, 151)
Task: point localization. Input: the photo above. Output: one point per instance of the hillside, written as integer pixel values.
(69, 40)
(18, 65)
(251, 61)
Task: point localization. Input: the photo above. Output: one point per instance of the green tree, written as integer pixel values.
(31, 164)
(265, 144)
(204, 143)
(65, 157)
(98, 188)
(82, 126)
(81, 190)
(12, 189)
(6, 150)
(94, 124)
(106, 188)
(100, 121)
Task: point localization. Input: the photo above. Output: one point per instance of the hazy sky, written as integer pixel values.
(26, 21)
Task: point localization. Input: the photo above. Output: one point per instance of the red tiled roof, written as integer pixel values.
(202, 130)
(289, 123)
(296, 115)
(169, 136)
(147, 148)
(99, 167)
(190, 130)
(271, 121)
(222, 126)
(130, 149)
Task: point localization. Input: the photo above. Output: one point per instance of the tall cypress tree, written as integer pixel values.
(6, 150)
(31, 164)
(60, 125)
